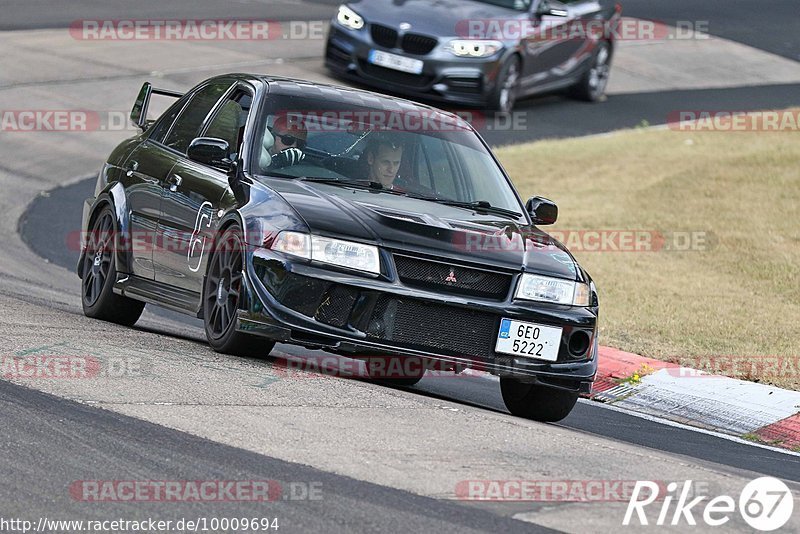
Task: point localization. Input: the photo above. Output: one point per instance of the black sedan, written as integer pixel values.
(483, 53)
(280, 210)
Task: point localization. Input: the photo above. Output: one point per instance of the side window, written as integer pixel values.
(164, 123)
(229, 120)
(191, 119)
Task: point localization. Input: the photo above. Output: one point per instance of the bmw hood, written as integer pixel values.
(400, 223)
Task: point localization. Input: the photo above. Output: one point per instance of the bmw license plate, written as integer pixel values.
(528, 340)
(393, 61)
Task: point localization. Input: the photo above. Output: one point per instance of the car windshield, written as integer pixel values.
(418, 152)
(518, 5)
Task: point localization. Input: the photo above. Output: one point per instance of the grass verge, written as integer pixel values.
(730, 303)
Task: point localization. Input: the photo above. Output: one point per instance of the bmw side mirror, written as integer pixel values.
(543, 211)
(211, 151)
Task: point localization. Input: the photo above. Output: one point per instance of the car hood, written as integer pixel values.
(401, 223)
(441, 18)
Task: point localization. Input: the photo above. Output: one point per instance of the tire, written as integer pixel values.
(504, 95)
(537, 402)
(221, 296)
(100, 273)
(394, 370)
(592, 85)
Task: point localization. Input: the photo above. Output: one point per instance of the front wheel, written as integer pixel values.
(504, 95)
(221, 296)
(592, 85)
(537, 402)
(100, 273)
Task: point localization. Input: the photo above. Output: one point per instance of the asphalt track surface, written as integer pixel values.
(770, 25)
(50, 230)
(95, 444)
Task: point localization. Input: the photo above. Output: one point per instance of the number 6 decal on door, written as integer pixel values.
(198, 241)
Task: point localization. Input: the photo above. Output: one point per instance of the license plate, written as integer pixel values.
(393, 61)
(528, 340)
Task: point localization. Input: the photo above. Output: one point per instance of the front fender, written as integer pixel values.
(112, 195)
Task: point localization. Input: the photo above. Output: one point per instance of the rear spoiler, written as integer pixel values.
(139, 111)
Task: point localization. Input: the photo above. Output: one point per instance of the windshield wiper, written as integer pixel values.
(360, 184)
(481, 206)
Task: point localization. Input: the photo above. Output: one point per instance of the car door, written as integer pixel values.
(552, 49)
(189, 209)
(146, 170)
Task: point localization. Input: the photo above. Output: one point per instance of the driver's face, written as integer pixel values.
(383, 165)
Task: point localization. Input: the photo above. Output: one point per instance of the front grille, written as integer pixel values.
(414, 43)
(454, 279)
(394, 76)
(455, 331)
(383, 35)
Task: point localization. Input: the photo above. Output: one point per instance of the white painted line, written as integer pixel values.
(682, 426)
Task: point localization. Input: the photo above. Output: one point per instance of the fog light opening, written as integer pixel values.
(579, 343)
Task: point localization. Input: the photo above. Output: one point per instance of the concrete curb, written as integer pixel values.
(669, 391)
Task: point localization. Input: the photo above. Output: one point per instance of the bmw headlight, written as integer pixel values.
(473, 47)
(555, 290)
(349, 18)
(348, 254)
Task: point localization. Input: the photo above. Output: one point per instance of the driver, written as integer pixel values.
(383, 156)
(284, 142)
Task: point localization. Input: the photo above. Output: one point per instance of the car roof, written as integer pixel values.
(281, 85)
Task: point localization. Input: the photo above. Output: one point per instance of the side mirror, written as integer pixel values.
(545, 8)
(210, 151)
(542, 210)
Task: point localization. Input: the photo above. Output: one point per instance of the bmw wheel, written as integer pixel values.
(537, 402)
(504, 95)
(221, 296)
(592, 85)
(100, 273)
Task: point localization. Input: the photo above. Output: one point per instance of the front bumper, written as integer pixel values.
(322, 308)
(444, 78)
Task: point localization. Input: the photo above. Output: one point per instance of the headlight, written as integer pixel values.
(349, 18)
(555, 290)
(347, 254)
(473, 47)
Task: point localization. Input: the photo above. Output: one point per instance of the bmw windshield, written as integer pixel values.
(418, 152)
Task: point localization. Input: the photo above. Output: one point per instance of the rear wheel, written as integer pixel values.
(221, 296)
(537, 402)
(592, 85)
(100, 273)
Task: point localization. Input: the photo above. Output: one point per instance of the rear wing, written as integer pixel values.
(139, 111)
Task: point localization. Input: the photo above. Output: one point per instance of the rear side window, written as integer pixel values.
(194, 114)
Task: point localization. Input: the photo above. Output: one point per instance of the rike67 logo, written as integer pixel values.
(765, 504)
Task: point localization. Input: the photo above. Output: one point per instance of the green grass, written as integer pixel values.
(740, 296)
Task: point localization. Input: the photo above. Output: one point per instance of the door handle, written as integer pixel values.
(133, 166)
(174, 182)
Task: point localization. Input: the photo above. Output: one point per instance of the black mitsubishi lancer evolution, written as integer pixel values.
(280, 210)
